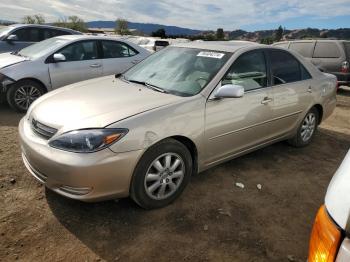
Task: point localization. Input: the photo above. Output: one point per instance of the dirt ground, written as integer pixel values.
(212, 221)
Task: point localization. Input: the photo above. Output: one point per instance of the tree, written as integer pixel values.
(121, 26)
(220, 34)
(33, 19)
(266, 40)
(278, 34)
(73, 22)
(159, 33)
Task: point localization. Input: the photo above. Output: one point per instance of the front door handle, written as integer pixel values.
(135, 61)
(266, 100)
(309, 89)
(95, 65)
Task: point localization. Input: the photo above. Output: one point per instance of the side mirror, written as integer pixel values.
(59, 58)
(229, 91)
(12, 38)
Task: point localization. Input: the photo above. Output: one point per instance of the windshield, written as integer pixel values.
(42, 48)
(180, 71)
(4, 31)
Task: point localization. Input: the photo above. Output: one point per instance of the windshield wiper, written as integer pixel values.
(153, 87)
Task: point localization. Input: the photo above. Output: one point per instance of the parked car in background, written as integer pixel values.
(60, 61)
(151, 44)
(183, 109)
(18, 36)
(330, 239)
(331, 56)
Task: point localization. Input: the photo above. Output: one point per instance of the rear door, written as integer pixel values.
(328, 56)
(117, 57)
(236, 124)
(292, 90)
(82, 63)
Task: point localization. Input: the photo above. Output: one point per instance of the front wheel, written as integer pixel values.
(161, 175)
(23, 93)
(306, 130)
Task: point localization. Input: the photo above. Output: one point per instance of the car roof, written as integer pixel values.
(82, 37)
(223, 46)
(310, 41)
(43, 26)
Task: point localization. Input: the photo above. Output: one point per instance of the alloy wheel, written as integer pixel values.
(25, 95)
(308, 127)
(164, 176)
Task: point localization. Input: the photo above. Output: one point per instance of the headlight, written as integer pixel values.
(88, 140)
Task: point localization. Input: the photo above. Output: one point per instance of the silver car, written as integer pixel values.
(180, 111)
(60, 61)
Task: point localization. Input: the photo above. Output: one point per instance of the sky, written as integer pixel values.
(228, 14)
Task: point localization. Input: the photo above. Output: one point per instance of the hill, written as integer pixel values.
(146, 28)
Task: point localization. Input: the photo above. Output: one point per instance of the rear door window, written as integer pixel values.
(326, 50)
(114, 49)
(285, 68)
(303, 48)
(347, 50)
(249, 71)
(48, 33)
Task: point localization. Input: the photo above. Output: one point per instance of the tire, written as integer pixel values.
(306, 130)
(156, 186)
(27, 91)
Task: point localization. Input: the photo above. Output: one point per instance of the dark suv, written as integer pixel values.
(330, 56)
(16, 37)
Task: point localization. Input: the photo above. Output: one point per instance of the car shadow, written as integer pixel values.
(8, 117)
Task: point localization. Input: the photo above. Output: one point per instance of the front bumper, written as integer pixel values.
(88, 177)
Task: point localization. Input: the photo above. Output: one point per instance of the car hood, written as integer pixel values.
(6, 59)
(96, 103)
(338, 194)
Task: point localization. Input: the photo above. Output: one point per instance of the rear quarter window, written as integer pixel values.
(305, 49)
(347, 50)
(326, 50)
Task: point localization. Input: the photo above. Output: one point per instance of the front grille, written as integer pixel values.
(42, 130)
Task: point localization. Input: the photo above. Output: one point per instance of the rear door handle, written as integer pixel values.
(309, 89)
(266, 100)
(95, 65)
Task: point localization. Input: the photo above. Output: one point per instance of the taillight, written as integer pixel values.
(345, 67)
(325, 238)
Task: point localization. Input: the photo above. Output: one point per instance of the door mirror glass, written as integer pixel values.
(229, 91)
(59, 58)
(12, 38)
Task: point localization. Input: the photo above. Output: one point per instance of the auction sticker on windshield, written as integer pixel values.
(211, 54)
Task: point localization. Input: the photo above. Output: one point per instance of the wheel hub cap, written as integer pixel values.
(164, 176)
(308, 127)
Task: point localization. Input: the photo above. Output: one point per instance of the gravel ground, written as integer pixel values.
(213, 220)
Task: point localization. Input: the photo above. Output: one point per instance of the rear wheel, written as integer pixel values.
(306, 130)
(23, 93)
(161, 175)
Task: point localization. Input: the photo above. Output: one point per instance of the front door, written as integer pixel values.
(237, 124)
(81, 63)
